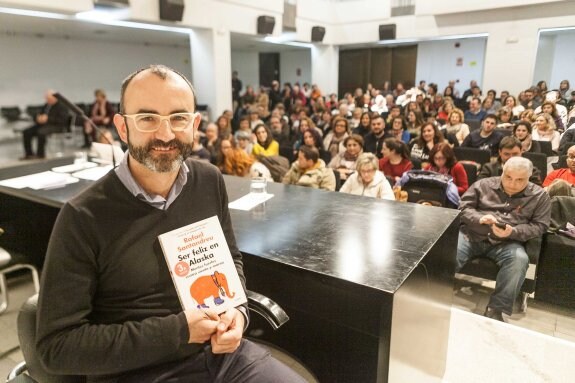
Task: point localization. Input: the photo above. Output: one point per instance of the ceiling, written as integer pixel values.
(17, 25)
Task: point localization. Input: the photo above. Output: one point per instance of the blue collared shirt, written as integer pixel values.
(159, 202)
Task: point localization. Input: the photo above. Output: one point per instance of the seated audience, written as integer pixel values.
(421, 146)
(102, 115)
(475, 112)
(567, 139)
(504, 118)
(511, 103)
(312, 138)
(198, 150)
(310, 171)
(550, 108)
(522, 131)
(486, 205)
(442, 160)
(280, 130)
(211, 141)
(486, 138)
(244, 141)
(52, 119)
(224, 126)
(414, 123)
(373, 141)
(344, 163)
(567, 174)
(398, 130)
(545, 131)
(367, 180)
(364, 126)
(508, 147)
(333, 141)
(396, 158)
(232, 160)
(456, 126)
(265, 144)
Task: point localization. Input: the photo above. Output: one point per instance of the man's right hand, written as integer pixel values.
(201, 324)
(42, 119)
(488, 219)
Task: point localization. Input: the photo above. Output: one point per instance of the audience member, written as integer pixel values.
(344, 162)
(550, 108)
(522, 131)
(333, 141)
(52, 119)
(364, 126)
(567, 139)
(475, 111)
(486, 138)
(367, 180)
(101, 114)
(564, 90)
(211, 141)
(236, 88)
(398, 130)
(414, 123)
(198, 151)
(232, 160)
(244, 141)
(511, 103)
(504, 118)
(442, 160)
(421, 146)
(530, 102)
(310, 171)
(312, 138)
(265, 144)
(487, 204)
(509, 147)
(545, 131)
(395, 158)
(224, 127)
(122, 319)
(567, 174)
(456, 126)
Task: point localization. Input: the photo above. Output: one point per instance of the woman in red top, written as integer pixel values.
(396, 158)
(442, 160)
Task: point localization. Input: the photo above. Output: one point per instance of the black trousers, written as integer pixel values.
(40, 131)
(249, 363)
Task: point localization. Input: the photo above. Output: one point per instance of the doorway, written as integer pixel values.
(269, 68)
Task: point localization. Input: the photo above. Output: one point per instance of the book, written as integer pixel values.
(202, 266)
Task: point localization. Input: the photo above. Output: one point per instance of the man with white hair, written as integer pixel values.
(498, 215)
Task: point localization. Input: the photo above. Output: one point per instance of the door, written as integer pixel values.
(269, 68)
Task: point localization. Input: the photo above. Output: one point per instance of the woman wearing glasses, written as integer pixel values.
(368, 181)
(442, 160)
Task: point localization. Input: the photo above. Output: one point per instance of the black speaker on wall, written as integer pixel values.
(266, 25)
(387, 32)
(317, 34)
(171, 10)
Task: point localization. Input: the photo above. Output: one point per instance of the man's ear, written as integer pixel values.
(197, 121)
(121, 127)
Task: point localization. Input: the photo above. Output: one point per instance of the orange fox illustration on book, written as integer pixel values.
(214, 285)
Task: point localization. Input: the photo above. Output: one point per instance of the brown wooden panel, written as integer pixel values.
(353, 69)
(380, 66)
(404, 61)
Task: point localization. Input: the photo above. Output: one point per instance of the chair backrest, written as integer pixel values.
(472, 154)
(561, 163)
(504, 132)
(11, 113)
(473, 124)
(546, 148)
(34, 110)
(539, 160)
(27, 338)
(471, 170)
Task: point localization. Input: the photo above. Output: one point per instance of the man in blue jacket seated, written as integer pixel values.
(498, 215)
(108, 308)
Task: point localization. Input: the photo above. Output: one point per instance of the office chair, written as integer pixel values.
(487, 269)
(472, 154)
(11, 114)
(10, 263)
(546, 148)
(32, 371)
(539, 161)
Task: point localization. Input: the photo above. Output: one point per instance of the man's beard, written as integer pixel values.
(161, 163)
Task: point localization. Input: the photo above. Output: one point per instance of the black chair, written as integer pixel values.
(546, 148)
(472, 154)
(561, 163)
(10, 113)
(473, 125)
(504, 132)
(471, 170)
(34, 110)
(32, 371)
(338, 180)
(539, 160)
(487, 269)
(416, 163)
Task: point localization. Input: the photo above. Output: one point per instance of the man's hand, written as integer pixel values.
(202, 324)
(487, 219)
(42, 119)
(229, 332)
(502, 233)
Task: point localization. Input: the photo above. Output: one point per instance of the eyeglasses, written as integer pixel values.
(150, 122)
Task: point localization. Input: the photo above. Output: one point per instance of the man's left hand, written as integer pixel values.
(229, 332)
(502, 233)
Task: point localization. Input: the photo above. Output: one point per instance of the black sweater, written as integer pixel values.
(107, 302)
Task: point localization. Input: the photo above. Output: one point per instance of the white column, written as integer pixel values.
(325, 67)
(211, 69)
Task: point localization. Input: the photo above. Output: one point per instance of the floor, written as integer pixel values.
(546, 331)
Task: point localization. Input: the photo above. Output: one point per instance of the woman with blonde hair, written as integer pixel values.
(545, 130)
(456, 126)
(367, 180)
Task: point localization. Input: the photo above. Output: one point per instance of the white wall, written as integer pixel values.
(544, 59)
(291, 61)
(437, 62)
(30, 65)
(247, 65)
(563, 61)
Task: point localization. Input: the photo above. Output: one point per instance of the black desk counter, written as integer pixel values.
(367, 283)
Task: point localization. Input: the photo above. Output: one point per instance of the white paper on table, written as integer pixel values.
(43, 180)
(74, 167)
(249, 201)
(93, 174)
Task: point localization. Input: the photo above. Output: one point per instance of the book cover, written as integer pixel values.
(202, 266)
